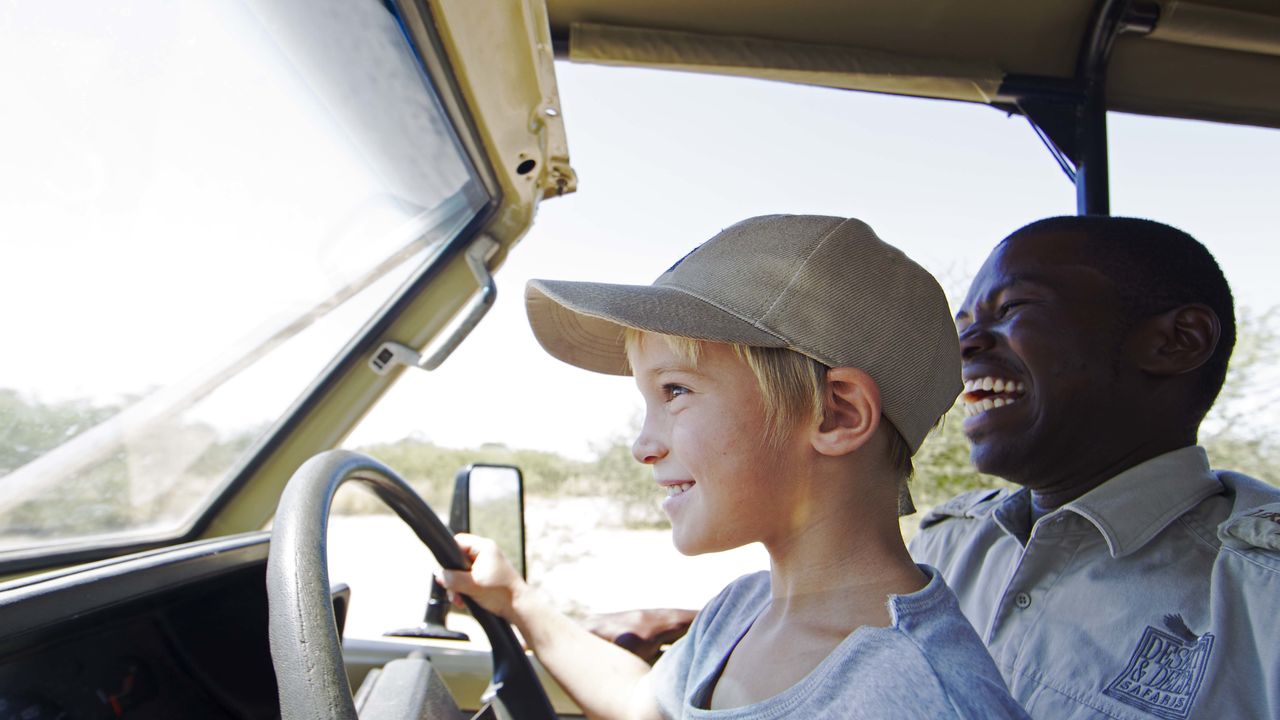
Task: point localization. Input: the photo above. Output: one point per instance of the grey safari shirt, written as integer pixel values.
(1155, 595)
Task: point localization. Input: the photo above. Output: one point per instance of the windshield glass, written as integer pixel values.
(201, 203)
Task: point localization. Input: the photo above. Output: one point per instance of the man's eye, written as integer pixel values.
(1007, 307)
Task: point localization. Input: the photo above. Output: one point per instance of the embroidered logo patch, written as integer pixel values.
(1165, 671)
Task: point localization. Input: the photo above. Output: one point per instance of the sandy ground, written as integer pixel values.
(582, 566)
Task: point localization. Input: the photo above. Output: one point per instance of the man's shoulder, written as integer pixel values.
(1246, 491)
(1252, 528)
(972, 505)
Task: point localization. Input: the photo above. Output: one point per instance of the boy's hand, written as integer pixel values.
(605, 681)
(492, 581)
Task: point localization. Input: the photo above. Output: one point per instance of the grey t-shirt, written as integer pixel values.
(928, 664)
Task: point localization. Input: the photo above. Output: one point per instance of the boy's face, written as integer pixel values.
(703, 434)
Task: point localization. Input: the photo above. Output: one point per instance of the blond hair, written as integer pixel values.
(791, 385)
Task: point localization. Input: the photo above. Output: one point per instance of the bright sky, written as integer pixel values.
(665, 160)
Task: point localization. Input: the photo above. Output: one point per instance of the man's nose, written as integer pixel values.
(974, 340)
(648, 447)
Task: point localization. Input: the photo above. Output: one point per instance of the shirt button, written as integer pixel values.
(1022, 600)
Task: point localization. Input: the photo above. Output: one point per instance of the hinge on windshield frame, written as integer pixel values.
(391, 353)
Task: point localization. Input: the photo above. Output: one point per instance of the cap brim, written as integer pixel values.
(583, 323)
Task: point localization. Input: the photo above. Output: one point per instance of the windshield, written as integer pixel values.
(201, 203)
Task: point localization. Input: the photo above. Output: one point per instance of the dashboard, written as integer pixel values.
(173, 633)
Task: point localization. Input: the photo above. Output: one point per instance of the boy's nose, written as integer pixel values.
(647, 448)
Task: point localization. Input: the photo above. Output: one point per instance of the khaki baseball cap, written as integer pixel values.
(825, 287)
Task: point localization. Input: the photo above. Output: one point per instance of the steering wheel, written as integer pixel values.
(305, 648)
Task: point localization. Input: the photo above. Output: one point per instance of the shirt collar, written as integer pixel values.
(1013, 515)
(1132, 507)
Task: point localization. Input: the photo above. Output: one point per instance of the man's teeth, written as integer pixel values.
(673, 490)
(994, 384)
(1010, 389)
(980, 406)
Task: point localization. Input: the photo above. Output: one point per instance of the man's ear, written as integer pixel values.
(1176, 341)
(850, 413)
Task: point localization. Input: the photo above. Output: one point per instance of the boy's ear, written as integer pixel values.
(850, 413)
(1176, 341)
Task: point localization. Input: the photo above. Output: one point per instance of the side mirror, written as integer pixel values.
(488, 500)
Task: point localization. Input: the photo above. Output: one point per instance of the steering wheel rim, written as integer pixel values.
(303, 632)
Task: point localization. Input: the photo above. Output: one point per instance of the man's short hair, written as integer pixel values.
(791, 388)
(1156, 268)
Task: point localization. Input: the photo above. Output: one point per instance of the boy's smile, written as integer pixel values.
(703, 434)
(675, 488)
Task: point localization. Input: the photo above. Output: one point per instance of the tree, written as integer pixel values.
(1239, 432)
(430, 470)
(942, 468)
(159, 473)
(628, 482)
(29, 429)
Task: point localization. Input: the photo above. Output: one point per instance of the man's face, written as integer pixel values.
(1046, 391)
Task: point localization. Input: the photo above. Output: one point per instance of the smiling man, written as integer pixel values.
(1125, 578)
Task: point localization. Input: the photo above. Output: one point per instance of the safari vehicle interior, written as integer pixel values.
(165, 164)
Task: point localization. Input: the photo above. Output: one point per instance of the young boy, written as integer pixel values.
(790, 367)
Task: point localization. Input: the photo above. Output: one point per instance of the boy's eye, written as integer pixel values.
(671, 390)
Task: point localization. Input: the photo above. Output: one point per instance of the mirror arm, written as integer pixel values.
(433, 620)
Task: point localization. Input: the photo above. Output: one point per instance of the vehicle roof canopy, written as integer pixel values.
(1213, 60)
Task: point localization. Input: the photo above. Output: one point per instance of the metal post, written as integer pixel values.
(1093, 191)
(1093, 186)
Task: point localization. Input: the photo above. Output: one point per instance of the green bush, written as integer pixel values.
(430, 470)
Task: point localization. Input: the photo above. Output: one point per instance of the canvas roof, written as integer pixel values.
(1213, 60)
